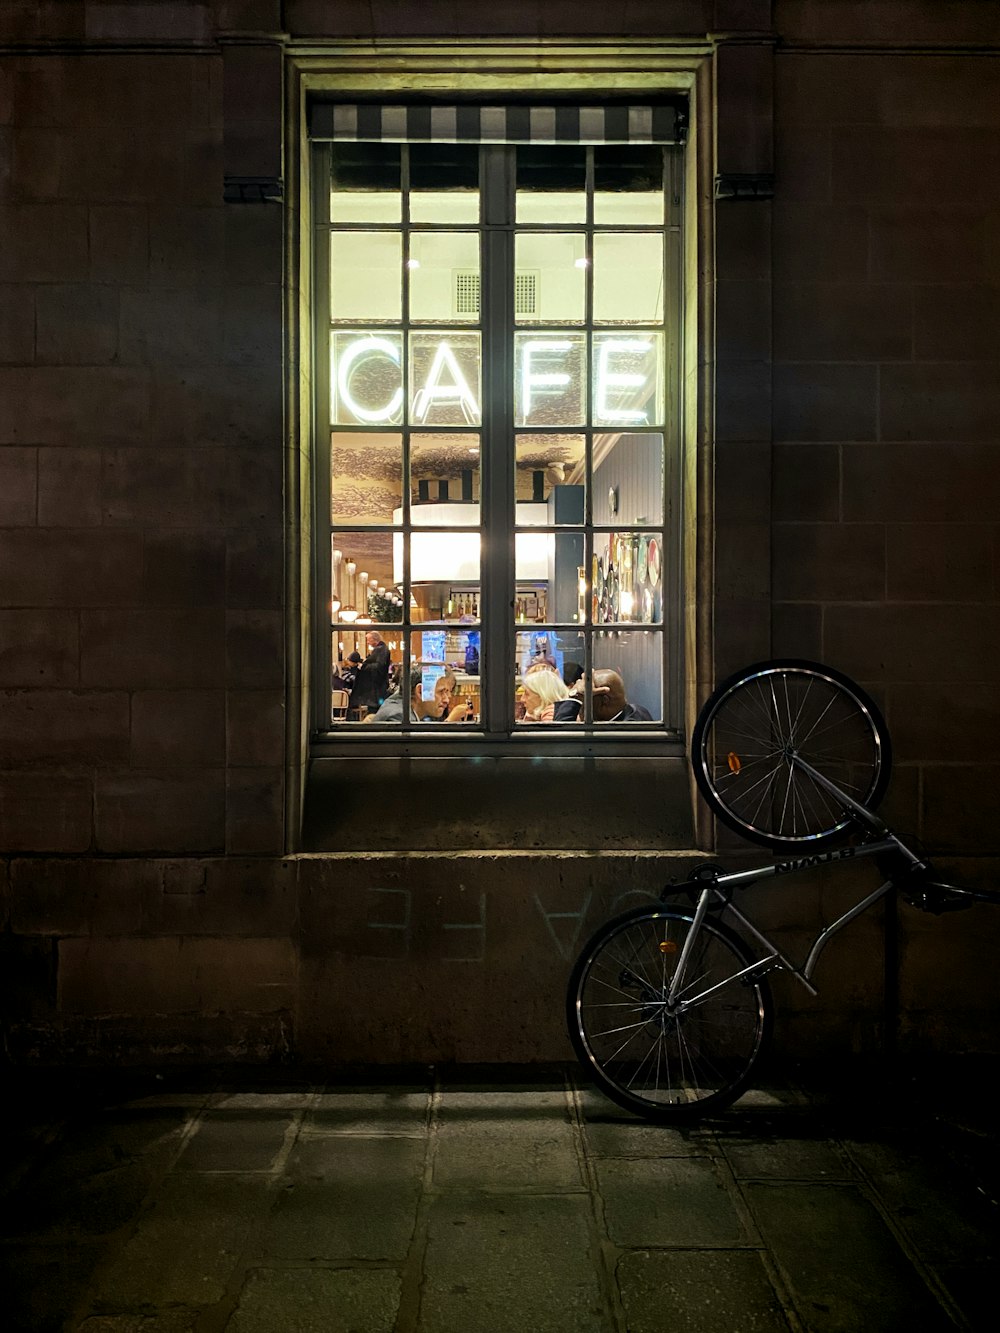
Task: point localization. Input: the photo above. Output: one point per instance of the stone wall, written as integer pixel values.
(149, 667)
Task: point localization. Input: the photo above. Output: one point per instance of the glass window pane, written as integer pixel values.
(628, 668)
(628, 378)
(350, 650)
(550, 372)
(548, 666)
(550, 278)
(362, 564)
(444, 182)
(365, 610)
(628, 185)
(628, 478)
(444, 275)
(366, 276)
(627, 578)
(551, 183)
(549, 479)
(366, 378)
(628, 277)
(549, 569)
(442, 557)
(365, 182)
(366, 478)
(444, 469)
(445, 379)
(448, 663)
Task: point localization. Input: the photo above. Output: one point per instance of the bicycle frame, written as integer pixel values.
(885, 840)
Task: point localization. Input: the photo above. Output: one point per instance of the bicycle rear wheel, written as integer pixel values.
(667, 1065)
(753, 724)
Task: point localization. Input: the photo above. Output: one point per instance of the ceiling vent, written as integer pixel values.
(466, 293)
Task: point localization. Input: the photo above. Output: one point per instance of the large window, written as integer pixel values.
(498, 416)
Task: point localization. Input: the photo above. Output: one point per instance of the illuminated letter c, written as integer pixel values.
(365, 347)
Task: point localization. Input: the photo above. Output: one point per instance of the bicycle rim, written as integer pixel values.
(661, 1065)
(752, 726)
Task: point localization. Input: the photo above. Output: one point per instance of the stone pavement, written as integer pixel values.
(444, 1203)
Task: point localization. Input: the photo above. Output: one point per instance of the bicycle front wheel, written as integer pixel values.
(754, 725)
(667, 1061)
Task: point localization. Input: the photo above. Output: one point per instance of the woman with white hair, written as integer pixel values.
(542, 691)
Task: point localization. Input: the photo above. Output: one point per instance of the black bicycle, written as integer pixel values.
(669, 1006)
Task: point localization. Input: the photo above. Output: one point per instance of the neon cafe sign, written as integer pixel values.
(545, 368)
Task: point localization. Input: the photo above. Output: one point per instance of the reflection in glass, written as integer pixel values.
(366, 478)
(445, 379)
(449, 662)
(550, 372)
(551, 183)
(547, 469)
(445, 469)
(365, 276)
(628, 378)
(551, 277)
(444, 276)
(628, 277)
(365, 182)
(444, 182)
(366, 378)
(628, 185)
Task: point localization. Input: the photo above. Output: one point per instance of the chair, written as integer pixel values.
(339, 701)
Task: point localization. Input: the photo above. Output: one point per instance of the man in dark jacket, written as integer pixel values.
(372, 684)
(610, 702)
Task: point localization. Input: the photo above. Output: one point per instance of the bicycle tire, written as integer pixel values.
(749, 727)
(666, 1068)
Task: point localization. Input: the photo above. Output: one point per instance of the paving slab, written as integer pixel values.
(776, 1158)
(668, 1201)
(973, 1288)
(346, 1198)
(634, 1138)
(368, 1111)
(171, 1321)
(844, 1268)
(511, 1264)
(262, 1101)
(918, 1189)
(236, 1140)
(43, 1284)
(515, 1140)
(488, 1206)
(187, 1244)
(326, 1300)
(697, 1291)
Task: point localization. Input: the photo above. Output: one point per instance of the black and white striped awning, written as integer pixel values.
(611, 123)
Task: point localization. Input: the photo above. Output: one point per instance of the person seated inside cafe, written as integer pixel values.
(610, 701)
(347, 673)
(421, 710)
(542, 693)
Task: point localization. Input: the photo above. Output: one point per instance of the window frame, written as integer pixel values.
(497, 501)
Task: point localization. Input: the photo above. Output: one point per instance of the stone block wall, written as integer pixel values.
(149, 655)
(886, 434)
(141, 576)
